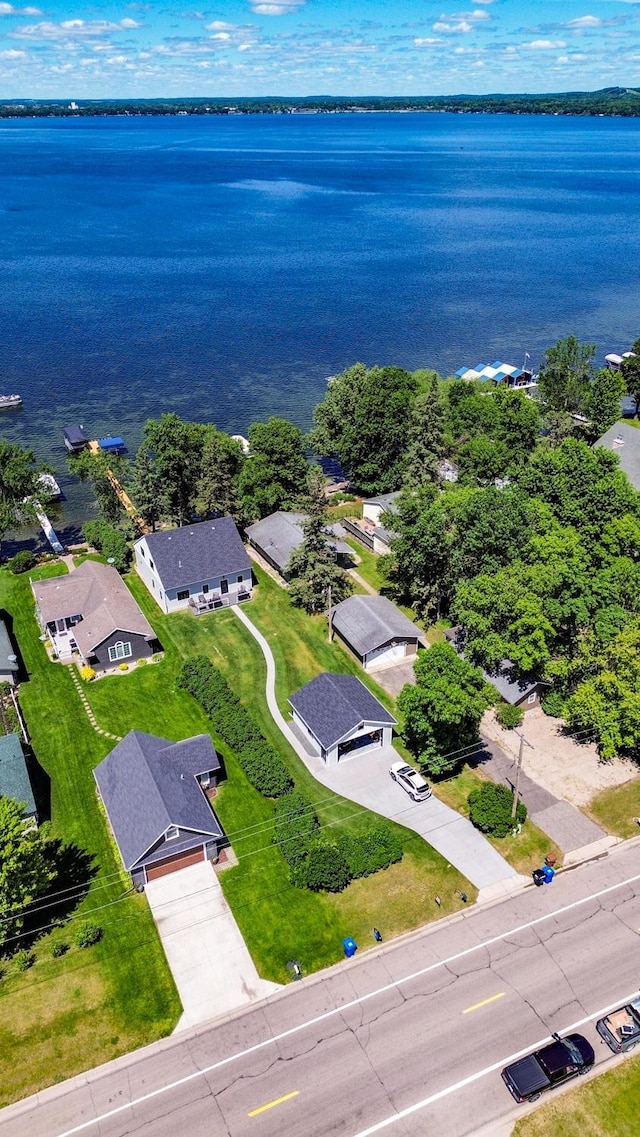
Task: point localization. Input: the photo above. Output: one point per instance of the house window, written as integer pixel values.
(240, 578)
(120, 650)
(183, 594)
(532, 697)
(172, 833)
(205, 588)
(142, 553)
(151, 564)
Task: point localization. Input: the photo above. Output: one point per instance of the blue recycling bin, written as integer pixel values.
(350, 947)
(548, 873)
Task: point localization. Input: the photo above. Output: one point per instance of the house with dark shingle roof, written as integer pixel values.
(340, 717)
(153, 792)
(91, 611)
(9, 665)
(278, 536)
(15, 782)
(199, 566)
(375, 631)
(623, 439)
(523, 691)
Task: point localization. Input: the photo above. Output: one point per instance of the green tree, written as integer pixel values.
(25, 869)
(19, 475)
(491, 529)
(442, 711)
(416, 571)
(177, 448)
(312, 568)
(274, 475)
(110, 541)
(608, 702)
(490, 808)
(565, 375)
(482, 460)
(363, 422)
(426, 436)
(97, 469)
(146, 489)
(222, 461)
(630, 368)
(602, 404)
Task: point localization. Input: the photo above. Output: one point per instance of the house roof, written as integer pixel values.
(148, 784)
(511, 688)
(198, 552)
(8, 661)
(280, 534)
(624, 440)
(14, 776)
(368, 622)
(98, 593)
(384, 500)
(333, 705)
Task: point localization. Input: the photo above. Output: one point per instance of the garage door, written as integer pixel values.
(172, 864)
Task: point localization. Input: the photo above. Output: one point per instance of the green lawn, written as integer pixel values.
(525, 852)
(86, 1007)
(368, 564)
(615, 809)
(605, 1107)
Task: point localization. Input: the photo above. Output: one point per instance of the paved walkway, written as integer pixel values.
(365, 780)
(578, 836)
(208, 958)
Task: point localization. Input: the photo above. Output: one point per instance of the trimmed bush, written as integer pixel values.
(88, 934)
(24, 960)
(123, 667)
(375, 849)
(553, 704)
(22, 562)
(490, 810)
(59, 949)
(87, 673)
(509, 716)
(295, 823)
(325, 869)
(109, 540)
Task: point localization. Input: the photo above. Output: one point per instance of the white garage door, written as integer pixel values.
(390, 653)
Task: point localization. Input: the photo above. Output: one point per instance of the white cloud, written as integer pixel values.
(128, 23)
(584, 22)
(543, 44)
(13, 53)
(69, 29)
(426, 42)
(9, 10)
(460, 21)
(275, 7)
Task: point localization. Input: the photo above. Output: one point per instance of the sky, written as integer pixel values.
(76, 49)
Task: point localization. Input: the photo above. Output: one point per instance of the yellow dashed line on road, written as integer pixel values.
(270, 1104)
(476, 1006)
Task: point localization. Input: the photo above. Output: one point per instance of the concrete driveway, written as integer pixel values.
(206, 953)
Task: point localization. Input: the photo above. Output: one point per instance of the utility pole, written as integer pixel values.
(523, 743)
(329, 618)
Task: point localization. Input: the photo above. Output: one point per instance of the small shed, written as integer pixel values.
(75, 439)
(113, 445)
(340, 717)
(375, 631)
(14, 776)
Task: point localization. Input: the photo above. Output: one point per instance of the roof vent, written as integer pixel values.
(179, 564)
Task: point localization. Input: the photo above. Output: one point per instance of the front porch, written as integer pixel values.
(211, 601)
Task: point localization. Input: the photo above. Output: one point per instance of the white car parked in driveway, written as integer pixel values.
(411, 781)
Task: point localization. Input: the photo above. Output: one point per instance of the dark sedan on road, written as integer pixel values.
(561, 1060)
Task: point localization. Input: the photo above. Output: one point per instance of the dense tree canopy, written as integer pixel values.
(177, 448)
(274, 475)
(315, 577)
(565, 375)
(19, 474)
(25, 868)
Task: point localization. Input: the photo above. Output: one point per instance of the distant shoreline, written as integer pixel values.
(617, 102)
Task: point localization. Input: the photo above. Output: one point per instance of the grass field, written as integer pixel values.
(605, 1107)
(615, 809)
(66, 1014)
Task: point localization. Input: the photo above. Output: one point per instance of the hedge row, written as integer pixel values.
(326, 863)
(263, 767)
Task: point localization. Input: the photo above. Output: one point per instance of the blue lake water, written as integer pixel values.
(223, 267)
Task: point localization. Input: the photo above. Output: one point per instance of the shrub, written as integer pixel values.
(88, 934)
(265, 770)
(87, 673)
(295, 822)
(59, 949)
(24, 960)
(553, 704)
(22, 562)
(377, 848)
(110, 541)
(490, 810)
(509, 716)
(325, 869)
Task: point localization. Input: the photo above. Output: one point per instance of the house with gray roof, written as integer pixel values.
(372, 510)
(375, 631)
(15, 782)
(153, 792)
(200, 567)
(9, 665)
(91, 611)
(623, 439)
(339, 717)
(276, 537)
(523, 691)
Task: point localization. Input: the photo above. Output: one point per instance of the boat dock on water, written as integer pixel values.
(75, 439)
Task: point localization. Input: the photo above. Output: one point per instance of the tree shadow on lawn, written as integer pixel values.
(74, 870)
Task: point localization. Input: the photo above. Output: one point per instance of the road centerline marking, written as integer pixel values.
(271, 1104)
(484, 1003)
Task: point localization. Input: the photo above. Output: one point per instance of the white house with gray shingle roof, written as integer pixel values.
(375, 631)
(198, 566)
(339, 717)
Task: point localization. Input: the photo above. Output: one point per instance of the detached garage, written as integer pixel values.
(340, 717)
(376, 632)
(153, 792)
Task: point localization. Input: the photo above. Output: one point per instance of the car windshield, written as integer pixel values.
(573, 1052)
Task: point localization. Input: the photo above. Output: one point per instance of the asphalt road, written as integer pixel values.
(409, 1039)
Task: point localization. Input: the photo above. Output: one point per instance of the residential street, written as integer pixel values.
(410, 1037)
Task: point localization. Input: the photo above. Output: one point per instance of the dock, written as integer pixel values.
(47, 528)
(95, 448)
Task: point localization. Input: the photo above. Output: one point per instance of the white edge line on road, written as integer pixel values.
(347, 1006)
(402, 1113)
